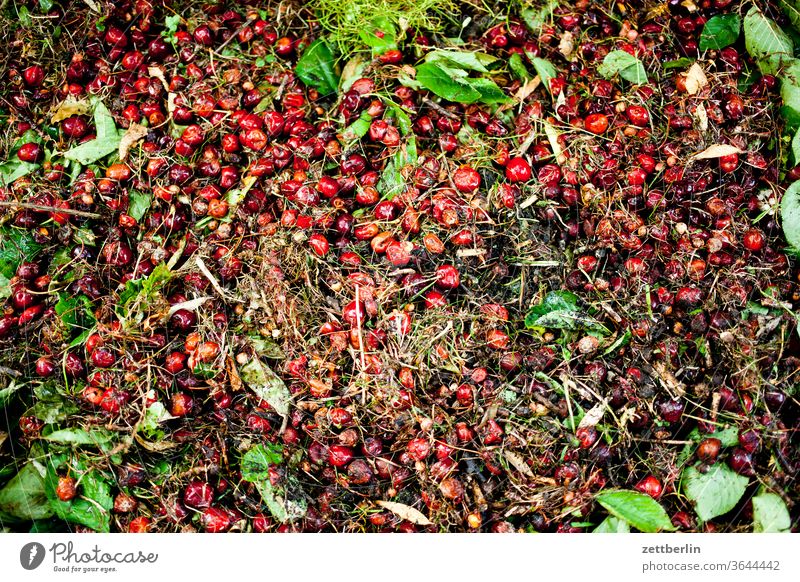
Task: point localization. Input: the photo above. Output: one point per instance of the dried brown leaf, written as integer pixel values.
(695, 79)
(518, 463)
(405, 512)
(135, 133)
(716, 151)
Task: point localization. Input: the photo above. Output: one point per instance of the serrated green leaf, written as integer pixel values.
(14, 169)
(77, 436)
(639, 510)
(23, 498)
(473, 61)
(92, 507)
(764, 40)
(403, 121)
(560, 310)
(680, 63)
(790, 214)
(770, 514)
(612, 524)
(317, 67)
(623, 64)
(545, 70)
(445, 83)
(380, 35)
(105, 143)
(720, 31)
(518, 67)
(535, 18)
(490, 92)
(138, 204)
(714, 493)
(358, 128)
(7, 393)
(256, 462)
(16, 246)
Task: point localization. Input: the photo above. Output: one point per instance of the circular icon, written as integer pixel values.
(31, 555)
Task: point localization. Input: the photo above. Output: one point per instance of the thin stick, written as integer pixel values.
(31, 206)
(440, 109)
(360, 343)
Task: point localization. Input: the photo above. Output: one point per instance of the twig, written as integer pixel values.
(10, 372)
(360, 344)
(439, 108)
(43, 208)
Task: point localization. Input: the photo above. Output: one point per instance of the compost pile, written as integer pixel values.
(397, 266)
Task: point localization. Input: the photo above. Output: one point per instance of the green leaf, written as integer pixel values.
(612, 524)
(639, 510)
(155, 414)
(792, 10)
(714, 493)
(8, 392)
(559, 310)
(790, 214)
(680, 63)
(769, 46)
(380, 35)
(358, 128)
(23, 498)
(535, 18)
(92, 507)
(317, 67)
(266, 346)
(92, 151)
(545, 70)
(51, 406)
(444, 83)
(623, 64)
(5, 287)
(490, 92)
(518, 67)
(13, 169)
(256, 462)
(796, 147)
(267, 385)
(403, 121)
(392, 182)
(106, 142)
(144, 290)
(138, 204)
(720, 31)
(75, 311)
(76, 436)
(284, 503)
(472, 61)
(770, 514)
(285, 500)
(16, 246)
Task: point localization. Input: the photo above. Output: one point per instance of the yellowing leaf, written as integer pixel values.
(405, 512)
(69, 107)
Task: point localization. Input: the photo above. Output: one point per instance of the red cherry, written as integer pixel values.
(518, 170)
(447, 277)
(596, 123)
(650, 486)
(339, 455)
(466, 179)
